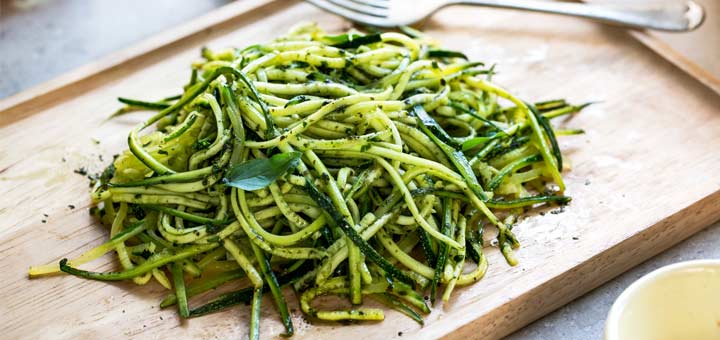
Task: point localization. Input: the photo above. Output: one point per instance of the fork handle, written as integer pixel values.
(664, 18)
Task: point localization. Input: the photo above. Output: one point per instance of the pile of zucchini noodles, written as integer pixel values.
(357, 165)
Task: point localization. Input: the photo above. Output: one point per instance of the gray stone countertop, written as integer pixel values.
(41, 39)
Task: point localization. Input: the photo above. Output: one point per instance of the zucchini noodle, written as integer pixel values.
(354, 165)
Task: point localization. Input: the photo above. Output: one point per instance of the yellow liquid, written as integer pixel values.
(678, 305)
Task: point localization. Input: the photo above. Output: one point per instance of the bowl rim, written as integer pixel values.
(612, 322)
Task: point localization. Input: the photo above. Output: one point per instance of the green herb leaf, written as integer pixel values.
(259, 173)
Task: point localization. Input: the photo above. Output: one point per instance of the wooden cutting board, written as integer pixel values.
(645, 176)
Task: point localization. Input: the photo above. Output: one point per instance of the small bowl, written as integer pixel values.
(679, 301)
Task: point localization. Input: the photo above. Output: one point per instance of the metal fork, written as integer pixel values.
(393, 13)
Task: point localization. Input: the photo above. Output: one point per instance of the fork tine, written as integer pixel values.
(361, 7)
(374, 3)
(351, 15)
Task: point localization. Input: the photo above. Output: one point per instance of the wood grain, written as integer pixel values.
(643, 178)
